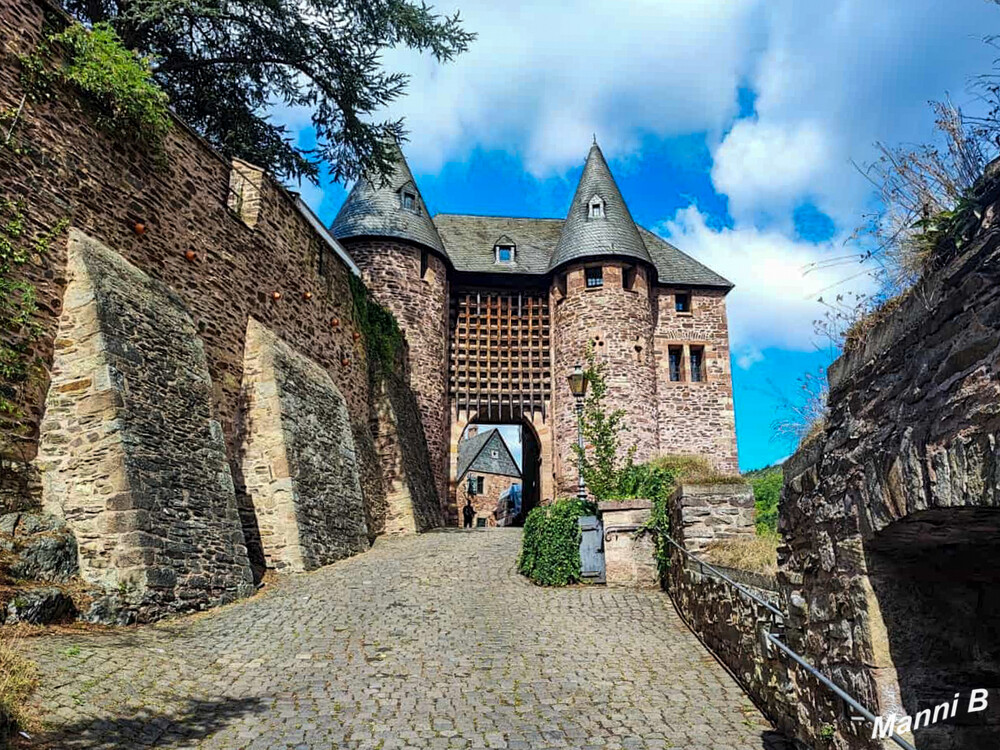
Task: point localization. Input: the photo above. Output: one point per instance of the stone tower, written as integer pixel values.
(390, 235)
(600, 298)
(497, 311)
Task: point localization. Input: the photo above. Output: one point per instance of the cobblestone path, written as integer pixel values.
(423, 642)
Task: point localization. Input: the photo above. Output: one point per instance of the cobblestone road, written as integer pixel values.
(424, 642)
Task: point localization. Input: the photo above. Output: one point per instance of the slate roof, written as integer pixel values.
(376, 210)
(542, 245)
(476, 454)
(613, 234)
(470, 239)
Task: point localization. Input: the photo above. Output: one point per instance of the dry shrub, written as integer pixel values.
(694, 469)
(756, 554)
(18, 679)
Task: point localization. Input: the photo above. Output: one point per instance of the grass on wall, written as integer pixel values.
(18, 678)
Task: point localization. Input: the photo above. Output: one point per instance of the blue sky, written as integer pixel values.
(731, 126)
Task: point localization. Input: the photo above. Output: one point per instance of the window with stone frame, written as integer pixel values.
(475, 485)
(409, 200)
(594, 276)
(682, 302)
(596, 208)
(675, 357)
(629, 275)
(697, 364)
(424, 263)
(505, 254)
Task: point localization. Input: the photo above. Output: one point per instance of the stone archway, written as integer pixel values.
(934, 576)
(537, 467)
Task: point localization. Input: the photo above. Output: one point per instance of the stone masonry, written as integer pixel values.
(487, 502)
(702, 514)
(891, 515)
(524, 298)
(208, 244)
(420, 303)
(299, 462)
(131, 454)
(172, 218)
(695, 417)
(617, 324)
(629, 553)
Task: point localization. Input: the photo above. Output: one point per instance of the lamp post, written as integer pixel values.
(578, 386)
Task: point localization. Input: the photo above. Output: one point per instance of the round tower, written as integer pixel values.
(389, 233)
(602, 275)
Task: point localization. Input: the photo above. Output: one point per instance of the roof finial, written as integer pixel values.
(595, 139)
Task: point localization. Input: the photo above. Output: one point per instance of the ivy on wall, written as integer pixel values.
(18, 303)
(19, 327)
(381, 332)
(113, 78)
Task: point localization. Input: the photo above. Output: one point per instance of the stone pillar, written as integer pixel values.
(702, 514)
(299, 462)
(629, 558)
(130, 451)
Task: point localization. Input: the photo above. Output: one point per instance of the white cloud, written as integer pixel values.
(771, 164)
(544, 76)
(777, 282)
(749, 357)
(833, 78)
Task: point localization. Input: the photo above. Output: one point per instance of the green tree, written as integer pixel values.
(226, 64)
(603, 458)
(767, 485)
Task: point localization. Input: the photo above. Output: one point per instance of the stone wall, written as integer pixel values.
(891, 515)
(131, 453)
(412, 492)
(619, 323)
(695, 417)
(729, 622)
(174, 218)
(281, 270)
(703, 514)
(299, 463)
(392, 270)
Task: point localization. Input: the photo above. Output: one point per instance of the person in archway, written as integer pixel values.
(468, 513)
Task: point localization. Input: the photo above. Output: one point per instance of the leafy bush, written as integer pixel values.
(117, 80)
(767, 485)
(550, 545)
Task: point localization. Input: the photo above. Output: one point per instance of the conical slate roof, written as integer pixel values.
(377, 210)
(613, 234)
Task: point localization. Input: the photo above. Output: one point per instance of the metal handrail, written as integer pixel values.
(835, 688)
(770, 607)
(840, 692)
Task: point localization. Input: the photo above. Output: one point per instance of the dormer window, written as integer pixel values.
(505, 251)
(409, 200)
(596, 208)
